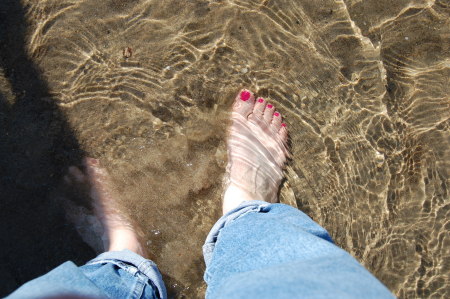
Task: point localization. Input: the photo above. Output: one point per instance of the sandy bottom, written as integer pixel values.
(146, 87)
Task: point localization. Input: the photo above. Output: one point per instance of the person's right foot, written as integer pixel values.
(119, 233)
(257, 152)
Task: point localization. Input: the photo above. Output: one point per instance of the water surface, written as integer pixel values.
(363, 85)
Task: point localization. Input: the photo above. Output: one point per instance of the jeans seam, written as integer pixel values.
(138, 288)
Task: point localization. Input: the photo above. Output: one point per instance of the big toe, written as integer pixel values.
(244, 103)
(97, 175)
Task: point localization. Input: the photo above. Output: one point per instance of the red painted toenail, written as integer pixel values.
(245, 95)
(261, 100)
(283, 125)
(269, 106)
(276, 114)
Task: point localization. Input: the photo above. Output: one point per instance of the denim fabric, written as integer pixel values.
(117, 274)
(262, 250)
(258, 250)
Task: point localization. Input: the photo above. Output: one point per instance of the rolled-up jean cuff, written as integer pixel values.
(249, 206)
(138, 263)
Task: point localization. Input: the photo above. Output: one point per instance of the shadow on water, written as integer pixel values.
(36, 147)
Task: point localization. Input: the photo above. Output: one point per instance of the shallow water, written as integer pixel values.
(363, 86)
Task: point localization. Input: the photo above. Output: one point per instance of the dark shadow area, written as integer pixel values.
(36, 147)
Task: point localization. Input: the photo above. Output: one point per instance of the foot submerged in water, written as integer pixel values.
(257, 151)
(118, 232)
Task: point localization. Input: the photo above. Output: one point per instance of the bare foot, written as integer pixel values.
(118, 232)
(257, 152)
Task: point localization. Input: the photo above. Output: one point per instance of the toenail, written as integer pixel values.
(283, 125)
(245, 95)
(269, 106)
(261, 100)
(276, 114)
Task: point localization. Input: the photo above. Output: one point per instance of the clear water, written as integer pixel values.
(364, 87)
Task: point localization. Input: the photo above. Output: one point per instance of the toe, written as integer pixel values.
(283, 132)
(244, 103)
(276, 121)
(90, 162)
(76, 174)
(259, 108)
(268, 113)
(98, 179)
(95, 172)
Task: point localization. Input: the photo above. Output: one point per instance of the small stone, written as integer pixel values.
(244, 70)
(406, 38)
(127, 52)
(379, 159)
(155, 231)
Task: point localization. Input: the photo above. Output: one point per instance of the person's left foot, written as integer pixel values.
(119, 234)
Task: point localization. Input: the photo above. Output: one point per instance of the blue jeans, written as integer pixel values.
(258, 250)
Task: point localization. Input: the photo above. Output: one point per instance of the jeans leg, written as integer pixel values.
(116, 274)
(262, 250)
(125, 274)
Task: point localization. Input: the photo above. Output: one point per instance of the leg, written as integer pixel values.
(260, 249)
(120, 272)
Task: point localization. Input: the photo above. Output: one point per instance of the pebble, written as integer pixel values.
(155, 231)
(127, 52)
(379, 159)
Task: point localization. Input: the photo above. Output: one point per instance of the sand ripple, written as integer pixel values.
(364, 87)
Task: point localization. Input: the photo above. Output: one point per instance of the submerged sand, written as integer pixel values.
(364, 87)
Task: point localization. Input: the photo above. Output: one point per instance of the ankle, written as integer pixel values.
(234, 196)
(122, 239)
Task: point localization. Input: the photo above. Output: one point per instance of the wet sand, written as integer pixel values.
(364, 86)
